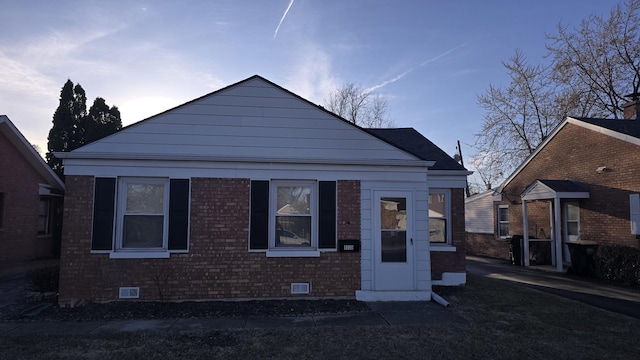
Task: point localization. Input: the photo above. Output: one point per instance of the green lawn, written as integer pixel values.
(505, 321)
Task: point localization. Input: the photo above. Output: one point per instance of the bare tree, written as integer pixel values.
(589, 70)
(600, 59)
(359, 106)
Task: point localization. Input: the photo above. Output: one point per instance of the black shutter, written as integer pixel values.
(327, 215)
(178, 214)
(103, 214)
(259, 228)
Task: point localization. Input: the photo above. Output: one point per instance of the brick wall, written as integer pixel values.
(218, 264)
(19, 232)
(487, 245)
(449, 261)
(576, 153)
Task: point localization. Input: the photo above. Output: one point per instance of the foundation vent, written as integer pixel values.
(129, 292)
(300, 288)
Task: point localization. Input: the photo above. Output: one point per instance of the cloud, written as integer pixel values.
(282, 19)
(405, 73)
(312, 76)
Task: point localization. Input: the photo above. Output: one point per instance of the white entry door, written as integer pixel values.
(570, 226)
(393, 240)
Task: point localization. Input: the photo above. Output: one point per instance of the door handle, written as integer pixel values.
(411, 241)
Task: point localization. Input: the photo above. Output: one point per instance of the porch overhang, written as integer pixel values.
(553, 191)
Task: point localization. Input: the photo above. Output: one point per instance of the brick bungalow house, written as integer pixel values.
(30, 193)
(580, 185)
(253, 192)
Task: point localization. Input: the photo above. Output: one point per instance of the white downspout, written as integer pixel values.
(525, 234)
(439, 299)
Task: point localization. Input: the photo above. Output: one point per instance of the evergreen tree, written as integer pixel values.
(74, 127)
(101, 121)
(65, 134)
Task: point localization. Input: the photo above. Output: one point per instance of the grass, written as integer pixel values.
(504, 321)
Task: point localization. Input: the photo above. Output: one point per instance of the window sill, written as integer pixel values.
(443, 248)
(139, 255)
(293, 253)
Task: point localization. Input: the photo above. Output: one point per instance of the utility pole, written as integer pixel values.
(462, 163)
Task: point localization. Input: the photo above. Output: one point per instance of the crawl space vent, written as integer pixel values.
(129, 292)
(299, 288)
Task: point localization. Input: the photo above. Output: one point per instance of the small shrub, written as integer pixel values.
(618, 264)
(45, 279)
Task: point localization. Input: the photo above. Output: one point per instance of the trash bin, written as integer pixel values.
(515, 250)
(582, 257)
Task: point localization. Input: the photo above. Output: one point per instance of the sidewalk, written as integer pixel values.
(610, 297)
(382, 314)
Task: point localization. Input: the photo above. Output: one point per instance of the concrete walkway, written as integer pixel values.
(382, 314)
(614, 298)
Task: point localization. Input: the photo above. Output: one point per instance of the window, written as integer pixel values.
(44, 216)
(142, 214)
(290, 215)
(140, 217)
(439, 213)
(293, 214)
(1, 210)
(503, 221)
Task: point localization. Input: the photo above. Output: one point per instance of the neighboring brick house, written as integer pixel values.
(253, 192)
(581, 184)
(30, 200)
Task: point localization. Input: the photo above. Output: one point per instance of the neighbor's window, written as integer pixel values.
(503, 221)
(143, 205)
(293, 205)
(439, 214)
(44, 217)
(1, 210)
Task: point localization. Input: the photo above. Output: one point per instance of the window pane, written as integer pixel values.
(294, 200)
(394, 246)
(145, 198)
(503, 214)
(437, 205)
(572, 228)
(504, 229)
(573, 212)
(393, 213)
(293, 231)
(437, 230)
(142, 231)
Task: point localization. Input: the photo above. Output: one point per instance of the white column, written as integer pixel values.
(551, 234)
(525, 233)
(557, 233)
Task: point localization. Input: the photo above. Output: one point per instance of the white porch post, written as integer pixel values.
(552, 228)
(525, 234)
(557, 236)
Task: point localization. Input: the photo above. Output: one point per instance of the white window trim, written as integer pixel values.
(311, 251)
(501, 236)
(447, 205)
(128, 253)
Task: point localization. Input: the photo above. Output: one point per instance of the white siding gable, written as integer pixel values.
(253, 119)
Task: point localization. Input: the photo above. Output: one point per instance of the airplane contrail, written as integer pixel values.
(433, 59)
(282, 19)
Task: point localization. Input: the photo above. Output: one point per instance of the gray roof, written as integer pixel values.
(565, 185)
(623, 126)
(410, 140)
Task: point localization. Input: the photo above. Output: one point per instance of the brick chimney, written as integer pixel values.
(631, 110)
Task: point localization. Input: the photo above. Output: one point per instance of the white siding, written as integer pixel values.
(479, 213)
(253, 119)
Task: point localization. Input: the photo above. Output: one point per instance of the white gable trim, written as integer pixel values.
(605, 131)
(540, 191)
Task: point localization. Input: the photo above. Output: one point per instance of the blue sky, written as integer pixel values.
(429, 59)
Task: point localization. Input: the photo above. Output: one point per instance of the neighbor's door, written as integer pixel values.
(393, 240)
(570, 226)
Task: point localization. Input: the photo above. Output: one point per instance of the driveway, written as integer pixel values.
(618, 299)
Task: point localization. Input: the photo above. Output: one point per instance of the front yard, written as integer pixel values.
(505, 321)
